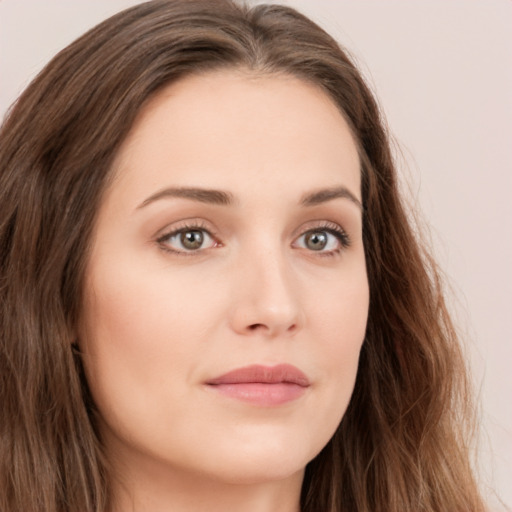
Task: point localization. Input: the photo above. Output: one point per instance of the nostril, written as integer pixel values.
(264, 327)
(255, 327)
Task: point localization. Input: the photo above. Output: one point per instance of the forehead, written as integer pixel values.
(237, 129)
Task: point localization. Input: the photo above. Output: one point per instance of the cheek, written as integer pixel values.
(143, 332)
(130, 303)
(340, 312)
(340, 330)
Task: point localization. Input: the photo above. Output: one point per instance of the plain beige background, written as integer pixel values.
(442, 70)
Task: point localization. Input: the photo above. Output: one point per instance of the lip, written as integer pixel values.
(261, 385)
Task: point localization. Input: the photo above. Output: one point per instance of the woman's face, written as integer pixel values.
(226, 295)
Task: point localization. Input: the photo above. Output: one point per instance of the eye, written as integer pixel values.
(323, 240)
(188, 239)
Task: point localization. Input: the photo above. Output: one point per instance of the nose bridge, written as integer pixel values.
(267, 301)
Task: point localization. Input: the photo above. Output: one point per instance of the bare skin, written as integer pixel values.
(231, 237)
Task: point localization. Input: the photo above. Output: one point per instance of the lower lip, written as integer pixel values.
(262, 394)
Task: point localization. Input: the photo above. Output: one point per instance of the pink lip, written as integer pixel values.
(262, 385)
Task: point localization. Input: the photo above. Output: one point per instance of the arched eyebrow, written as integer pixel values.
(203, 195)
(328, 194)
(223, 198)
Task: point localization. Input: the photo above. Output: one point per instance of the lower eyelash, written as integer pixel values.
(337, 232)
(187, 227)
(333, 229)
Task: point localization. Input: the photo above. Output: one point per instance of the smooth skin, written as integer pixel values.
(230, 236)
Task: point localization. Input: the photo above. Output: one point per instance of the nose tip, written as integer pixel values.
(267, 304)
(270, 323)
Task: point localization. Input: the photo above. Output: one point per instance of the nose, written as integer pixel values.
(265, 300)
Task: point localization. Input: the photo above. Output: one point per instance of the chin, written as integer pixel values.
(259, 461)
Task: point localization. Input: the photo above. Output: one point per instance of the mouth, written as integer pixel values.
(259, 385)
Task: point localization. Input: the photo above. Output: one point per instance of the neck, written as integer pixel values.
(159, 489)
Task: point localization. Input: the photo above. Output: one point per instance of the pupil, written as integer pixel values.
(192, 239)
(316, 241)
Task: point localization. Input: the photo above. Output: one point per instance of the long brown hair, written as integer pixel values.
(401, 445)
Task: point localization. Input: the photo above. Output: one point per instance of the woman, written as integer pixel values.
(212, 298)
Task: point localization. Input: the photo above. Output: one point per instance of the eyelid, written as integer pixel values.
(330, 227)
(194, 224)
(319, 225)
(183, 226)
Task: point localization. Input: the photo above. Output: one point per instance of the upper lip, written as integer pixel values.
(281, 373)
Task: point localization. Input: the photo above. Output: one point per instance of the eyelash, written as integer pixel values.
(184, 229)
(333, 229)
(327, 227)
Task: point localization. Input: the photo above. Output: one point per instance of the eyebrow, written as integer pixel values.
(203, 195)
(223, 198)
(328, 194)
